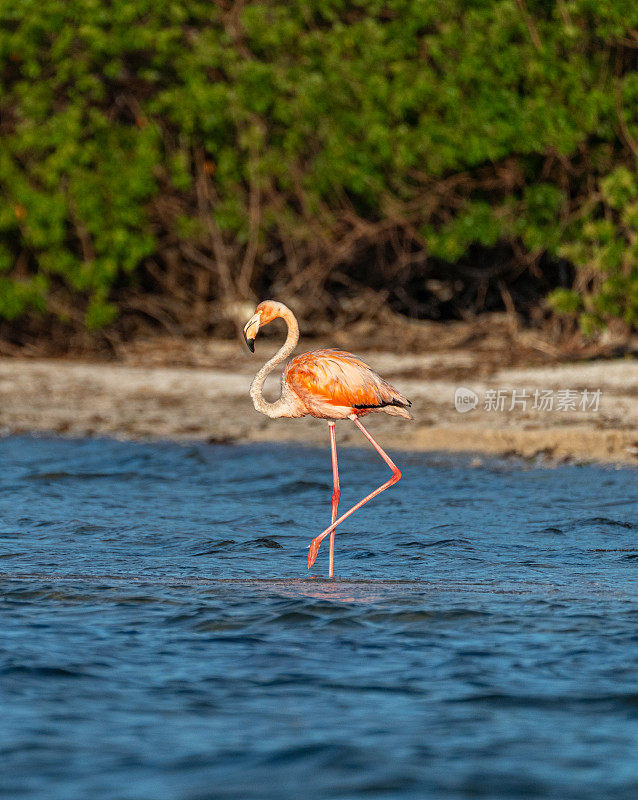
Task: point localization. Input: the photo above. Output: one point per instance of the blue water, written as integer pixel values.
(160, 638)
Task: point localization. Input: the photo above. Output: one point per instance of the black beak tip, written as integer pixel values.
(251, 344)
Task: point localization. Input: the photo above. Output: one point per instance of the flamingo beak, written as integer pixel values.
(251, 328)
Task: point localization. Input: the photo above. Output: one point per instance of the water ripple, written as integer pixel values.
(161, 636)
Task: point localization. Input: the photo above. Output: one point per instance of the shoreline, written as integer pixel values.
(129, 399)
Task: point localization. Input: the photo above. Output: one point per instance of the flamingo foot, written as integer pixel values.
(314, 551)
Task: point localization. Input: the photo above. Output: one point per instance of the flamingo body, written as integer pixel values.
(334, 384)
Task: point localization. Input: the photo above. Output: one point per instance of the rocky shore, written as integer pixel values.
(582, 411)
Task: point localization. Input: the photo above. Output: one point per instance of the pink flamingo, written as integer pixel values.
(328, 384)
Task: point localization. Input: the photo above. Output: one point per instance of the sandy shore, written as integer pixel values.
(593, 413)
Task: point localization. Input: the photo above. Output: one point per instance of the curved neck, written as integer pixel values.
(279, 407)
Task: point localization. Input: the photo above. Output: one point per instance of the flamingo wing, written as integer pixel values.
(329, 379)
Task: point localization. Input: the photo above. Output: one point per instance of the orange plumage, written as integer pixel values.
(336, 384)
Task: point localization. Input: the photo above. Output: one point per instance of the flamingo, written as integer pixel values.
(328, 384)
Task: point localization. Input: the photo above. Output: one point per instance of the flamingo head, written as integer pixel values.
(264, 313)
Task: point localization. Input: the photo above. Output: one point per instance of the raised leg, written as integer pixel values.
(336, 494)
(396, 476)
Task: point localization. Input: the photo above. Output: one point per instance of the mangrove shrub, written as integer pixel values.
(164, 158)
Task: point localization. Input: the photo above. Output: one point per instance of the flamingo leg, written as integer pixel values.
(396, 476)
(336, 494)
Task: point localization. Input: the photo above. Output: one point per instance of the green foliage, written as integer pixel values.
(135, 130)
(603, 244)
